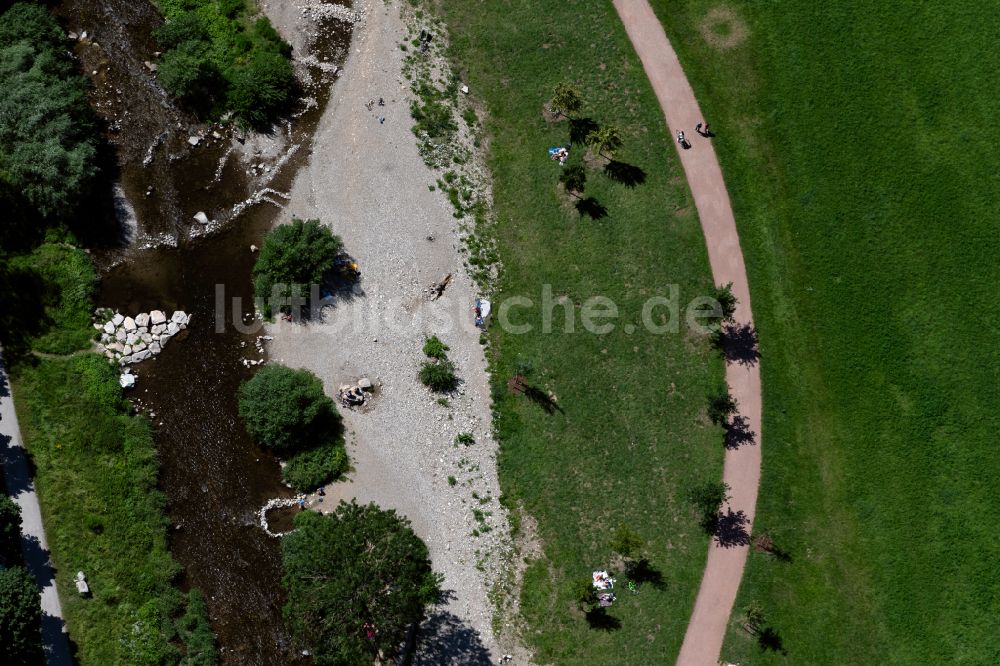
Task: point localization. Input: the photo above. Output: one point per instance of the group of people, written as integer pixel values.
(700, 128)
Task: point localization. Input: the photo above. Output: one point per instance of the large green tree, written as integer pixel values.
(20, 618)
(356, 579)
(10, 529)
(298, 253)
(47, 137)
(286, 409)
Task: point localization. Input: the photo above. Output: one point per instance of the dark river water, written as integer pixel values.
(213, 475)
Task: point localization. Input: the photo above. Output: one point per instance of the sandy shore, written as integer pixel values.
(367, 181)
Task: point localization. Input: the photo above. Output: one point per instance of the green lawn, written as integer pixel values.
(859, 145)
(629, 436)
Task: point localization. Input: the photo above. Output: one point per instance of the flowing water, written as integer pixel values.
(213, 475)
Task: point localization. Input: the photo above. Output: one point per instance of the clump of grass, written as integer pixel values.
(452, 480)
(439, 376)
(434, 348)
(465, 438)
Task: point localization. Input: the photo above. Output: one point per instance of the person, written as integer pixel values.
(381, 102)
(680, 137)
(697, 128)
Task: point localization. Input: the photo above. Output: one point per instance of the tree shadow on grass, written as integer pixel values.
(628, 175)
(23, 293)
(592, 208)
(643, 573)
(738, 433)
(731, 529)
(769, 641)
(599, 619)
(542, 399)
(738, 344)
(579, 128)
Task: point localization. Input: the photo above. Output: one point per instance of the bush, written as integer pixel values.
(465, 438)
(439, 375)
(188, 74)
(626, 542)
(434, 348)
(186, 27)
(196, 632)
(286, 409)
(47, 137)
(293, 254)
(261, 88)
(20, 617)
(10, 530)
(308, 470)
(356, 580)
(584, 594)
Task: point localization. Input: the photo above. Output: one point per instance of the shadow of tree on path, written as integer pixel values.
(738, 433)
(738, 344)
(731, 529)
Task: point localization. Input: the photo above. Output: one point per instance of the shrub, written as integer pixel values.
(186, 27)
(465, 438)
(20, 617)
(363, 566)
(434, 348)
(261, 88)
(626, 542)
(188, 74)
(265, 35)
(286, 409)
(293, 254)
(584, 594)
(47, 137)
(439, 375)
(727, 301)
(196, 632)
(566, 98)
(308, 470)
(10, 530)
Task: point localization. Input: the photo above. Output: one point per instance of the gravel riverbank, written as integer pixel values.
(366, 180)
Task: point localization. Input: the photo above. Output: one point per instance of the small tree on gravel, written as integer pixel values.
(605, 140)
(20, 618)
(438, 373)
(707, 498)
(566, 99)
(299, 253)
(356, 580)
(286, 409)
(574, 179)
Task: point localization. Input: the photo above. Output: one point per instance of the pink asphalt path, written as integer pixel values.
(724, 568)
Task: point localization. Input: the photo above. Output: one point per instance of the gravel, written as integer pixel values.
(367, 181)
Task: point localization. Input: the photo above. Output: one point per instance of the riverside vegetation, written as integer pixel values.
(859, 145)
(595, 431)
(95, 463)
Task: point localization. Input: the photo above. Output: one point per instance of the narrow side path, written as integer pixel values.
(724, 569)
(33, 543)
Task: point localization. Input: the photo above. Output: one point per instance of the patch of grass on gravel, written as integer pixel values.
(96, 478)
(859, 143)
(626, 436)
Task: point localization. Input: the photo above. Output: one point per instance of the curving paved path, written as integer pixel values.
(724, 569)
(33, 544)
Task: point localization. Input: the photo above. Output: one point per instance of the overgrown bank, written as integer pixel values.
(859, 148)
(597, 431)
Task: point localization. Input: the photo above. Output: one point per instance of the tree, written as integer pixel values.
(721, 406)
(356, 580)
(753, 618)
(20, 617)
(566, 99)
(605, 140)
(47, 137)
(183, 28)
(293, 254)
(584, 594)
(286, 409)
(260, 88)
(574, 179)
(188, 74)
(727, 301)
(10, 528)
(707, 498)
(626, 542)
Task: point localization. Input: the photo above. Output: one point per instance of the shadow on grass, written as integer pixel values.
(770, 641)
(592, 208)
(628, 175)
(643, 573)
(542, 399)
(731, 529)
(738, 433)
(23, 294)
(579, 128)
(599, 619)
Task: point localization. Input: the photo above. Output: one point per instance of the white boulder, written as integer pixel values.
(129, 324)
(157, 317)
(142, 320)
(109, 328)
(179, 317)
(173, 328)
(127, 380)
(201, 217)
(117, 319)
(155, 348)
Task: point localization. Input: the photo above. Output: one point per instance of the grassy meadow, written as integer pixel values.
(859, 146)
(626, 436)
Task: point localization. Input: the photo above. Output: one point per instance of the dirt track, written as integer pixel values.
(724, 569)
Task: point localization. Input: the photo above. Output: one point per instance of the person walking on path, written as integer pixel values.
(33, 543)
(741, 472)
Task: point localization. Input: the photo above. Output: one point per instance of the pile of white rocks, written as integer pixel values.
(130, 340)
